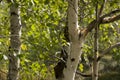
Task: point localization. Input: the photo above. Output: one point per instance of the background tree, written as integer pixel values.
(15, 43)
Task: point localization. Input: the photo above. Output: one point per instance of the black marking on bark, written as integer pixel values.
(9, 49)
(73, 22)
(98, 58)
(73, 59)
(65, 66)
(13, 13)
(80, 34)
(95, 75)
(21, 25)
(81, 47)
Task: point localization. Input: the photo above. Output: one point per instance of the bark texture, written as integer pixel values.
(95, 62)
(75, 41)
(14, 49)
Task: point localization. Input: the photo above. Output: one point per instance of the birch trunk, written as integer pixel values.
(74, 53)
(14, 49)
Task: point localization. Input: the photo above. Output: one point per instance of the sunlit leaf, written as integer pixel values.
(8, 42)
(23, 47)
(81, 67)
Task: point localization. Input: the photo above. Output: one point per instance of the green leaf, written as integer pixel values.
(81, 67)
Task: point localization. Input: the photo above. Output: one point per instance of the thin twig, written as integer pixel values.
(102, 7)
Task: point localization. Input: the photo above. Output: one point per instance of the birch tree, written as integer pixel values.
(77, 38)
(75, 41)
(14, 49)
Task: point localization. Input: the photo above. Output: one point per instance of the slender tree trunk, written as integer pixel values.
(14, 49)
(95, 62)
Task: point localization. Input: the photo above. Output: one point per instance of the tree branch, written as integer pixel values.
(107, 50)
(111, 13)
(103, 53)
(84, 74)
(107, 18)
(110, 19)
(102, 7)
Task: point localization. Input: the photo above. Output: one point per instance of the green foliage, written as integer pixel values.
(42, 34)
(81, 67)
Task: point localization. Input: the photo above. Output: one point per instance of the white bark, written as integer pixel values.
(75, 43)
(72, 62)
